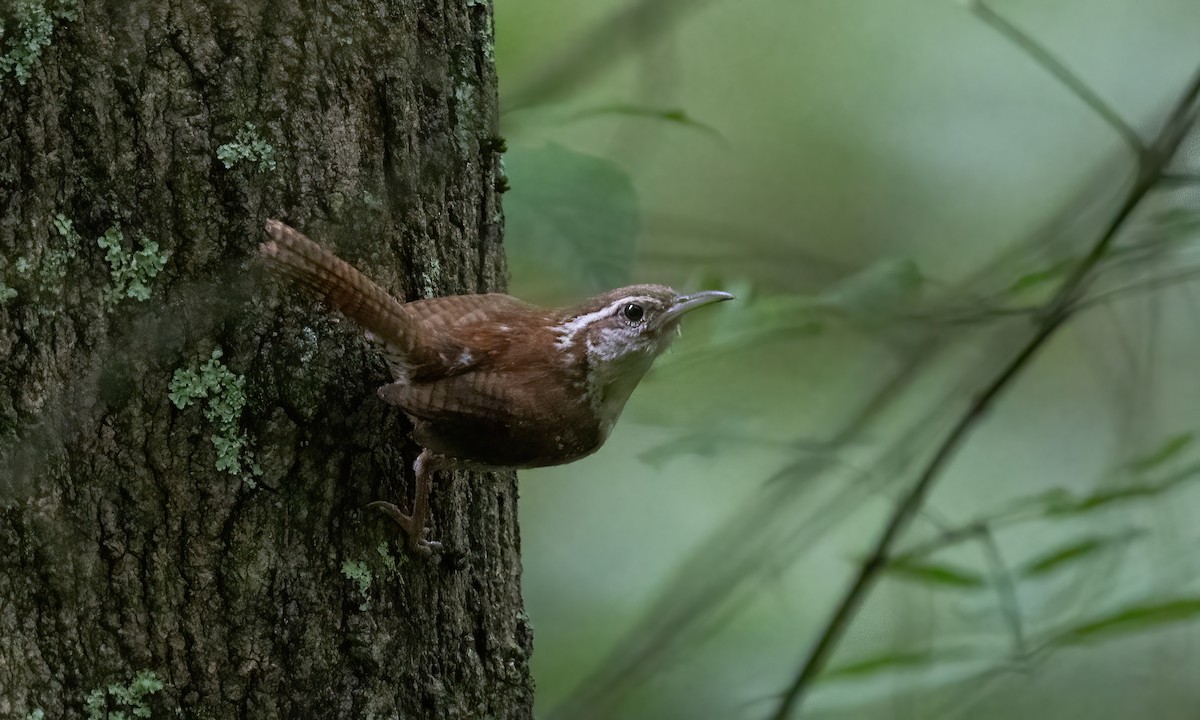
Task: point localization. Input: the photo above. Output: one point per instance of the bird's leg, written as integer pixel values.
(414, 524)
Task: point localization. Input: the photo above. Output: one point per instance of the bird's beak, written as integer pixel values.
(687, 303)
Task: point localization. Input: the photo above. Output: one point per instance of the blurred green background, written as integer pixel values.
(891, 188)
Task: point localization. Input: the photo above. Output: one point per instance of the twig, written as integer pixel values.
(982, 531)
(1182, 178)
(1055, 314)
(1006, 588)
(1154, 283)
(629, 27)
(1061, 73)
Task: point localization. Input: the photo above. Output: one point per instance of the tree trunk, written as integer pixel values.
(183, 533)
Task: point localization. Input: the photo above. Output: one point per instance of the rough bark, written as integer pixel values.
(123, 548)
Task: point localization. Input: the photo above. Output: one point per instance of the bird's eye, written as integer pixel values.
(633, 312)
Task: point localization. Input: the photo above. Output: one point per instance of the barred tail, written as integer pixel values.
(358, 297)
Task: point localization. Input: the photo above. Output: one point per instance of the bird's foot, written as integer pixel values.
(415, 530)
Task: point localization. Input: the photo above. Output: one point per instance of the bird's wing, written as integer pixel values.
(470, 333)
(470, 394)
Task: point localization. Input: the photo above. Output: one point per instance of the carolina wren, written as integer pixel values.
(489, 381)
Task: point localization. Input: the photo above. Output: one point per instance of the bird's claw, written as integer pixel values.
(416, 535)
(426, 547)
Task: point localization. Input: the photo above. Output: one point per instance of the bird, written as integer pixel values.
(488, 381)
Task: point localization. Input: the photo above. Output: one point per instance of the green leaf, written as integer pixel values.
(1135, 619)
(1106, 497)
(1041, 277)
(577, 213)
(934, 574)
(1058, 502)
(881, 663)
(882, 286)
(1169, 449)
(1073, 552)
(1102, 498)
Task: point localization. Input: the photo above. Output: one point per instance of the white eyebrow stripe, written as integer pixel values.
(569, 329)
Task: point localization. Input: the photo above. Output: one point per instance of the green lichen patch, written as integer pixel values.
(430, 277)
(372, 201)
(225, 396)
(248, 146)
(385, 552)
(45, 275)
(357, 572)
(23, 45)
(467, 110)
(121, 702)
(54, 264)
(52, 270)
(131, 271)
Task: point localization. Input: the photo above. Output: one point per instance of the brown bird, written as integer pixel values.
(489, 381)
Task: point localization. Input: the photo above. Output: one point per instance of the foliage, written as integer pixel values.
(247, 145)
(575, 213)
(226, 397)
(130, 700)
(35, 26)
(1072, 552)
(131, 271)
(887, 661)
(6, 293)
(926, 390)
(935, 574)
(1136, 618)
(1170, 449)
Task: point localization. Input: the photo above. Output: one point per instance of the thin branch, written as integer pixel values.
(877, 560)
(628, 28)
(1062, 73)
(1154, 283)
(718, 571)
(972, 316)
(947, 538)
(1006, 588)
(1054, 316)
(1184, 178)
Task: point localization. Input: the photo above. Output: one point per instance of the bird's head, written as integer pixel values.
(618, 334)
